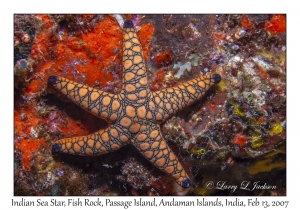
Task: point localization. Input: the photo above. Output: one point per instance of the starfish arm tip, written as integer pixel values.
(128, 24)
(56, 148)
(186, 183)
(52, 80)
(217, 78)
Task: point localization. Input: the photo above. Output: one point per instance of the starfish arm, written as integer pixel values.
(101, 142)
(101, 104)
(171, 100)
(156, 151)
(134, 71)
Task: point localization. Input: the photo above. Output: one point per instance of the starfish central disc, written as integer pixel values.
(135, 114)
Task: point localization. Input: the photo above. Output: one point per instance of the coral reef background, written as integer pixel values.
(236, 133)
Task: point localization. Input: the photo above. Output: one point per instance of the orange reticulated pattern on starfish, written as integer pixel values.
(135, 113)
(97, 49)
(53, 53)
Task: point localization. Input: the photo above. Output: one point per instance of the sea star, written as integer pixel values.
(134, 115)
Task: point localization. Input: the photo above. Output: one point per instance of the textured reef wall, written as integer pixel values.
(236, 133)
